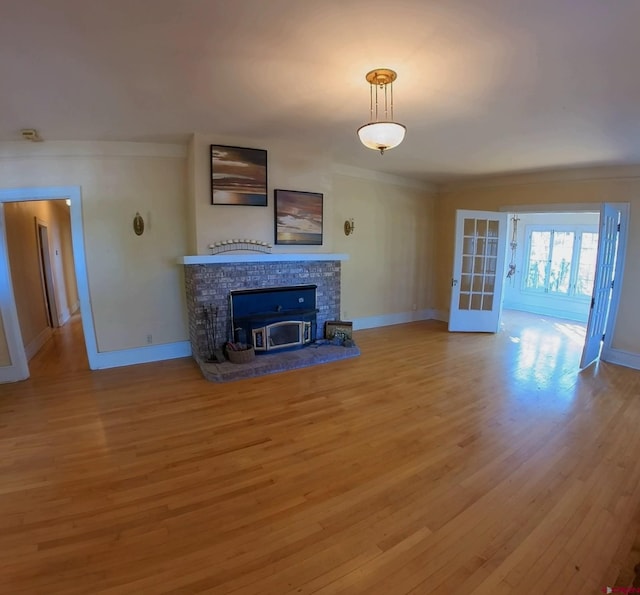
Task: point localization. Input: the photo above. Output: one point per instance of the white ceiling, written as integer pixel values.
(484, 86)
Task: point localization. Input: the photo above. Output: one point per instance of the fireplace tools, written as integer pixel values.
(210, 316)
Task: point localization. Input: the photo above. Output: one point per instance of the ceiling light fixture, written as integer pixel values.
(381, 134)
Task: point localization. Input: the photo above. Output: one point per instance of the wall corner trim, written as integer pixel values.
(20, 149)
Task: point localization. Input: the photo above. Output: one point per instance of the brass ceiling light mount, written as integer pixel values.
(381, 132)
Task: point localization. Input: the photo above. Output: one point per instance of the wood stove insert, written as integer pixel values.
(274, 318)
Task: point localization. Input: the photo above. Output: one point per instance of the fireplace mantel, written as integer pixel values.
(258, 257)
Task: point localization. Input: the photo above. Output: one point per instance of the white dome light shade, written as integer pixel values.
(381, 133)
(381, 136)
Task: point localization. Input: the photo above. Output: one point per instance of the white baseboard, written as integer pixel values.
(142, 355)
(389, 319)
(544, 311)
(622, 358)
(64, 317)
(36, 344)
(66, 314)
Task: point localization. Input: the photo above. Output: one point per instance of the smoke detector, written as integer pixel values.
(31, 134)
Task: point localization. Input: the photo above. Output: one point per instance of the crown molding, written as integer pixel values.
(574, 175)
(376, 176)
(20, 149)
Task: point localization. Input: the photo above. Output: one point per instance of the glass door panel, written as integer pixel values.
(479, 254)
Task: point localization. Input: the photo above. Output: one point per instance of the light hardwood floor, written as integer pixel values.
(434, 463)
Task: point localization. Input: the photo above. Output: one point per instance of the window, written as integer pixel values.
(587, 264)
(561, 261)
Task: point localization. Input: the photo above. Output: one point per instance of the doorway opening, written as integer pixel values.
(552, 265)
(13, 357)
(40, 254)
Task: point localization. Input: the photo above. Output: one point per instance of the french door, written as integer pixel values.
(603, 285)
(478, 271)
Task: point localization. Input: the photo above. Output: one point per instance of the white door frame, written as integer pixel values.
(19, 368)
(624, 208)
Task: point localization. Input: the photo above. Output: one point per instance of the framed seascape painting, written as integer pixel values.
(298, 217)
(238, 176)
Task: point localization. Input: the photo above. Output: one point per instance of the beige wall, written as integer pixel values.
(389, 269)
(136, 289)
(24, 260)
(135, 286)
(389, 266)
(563, 188)
(5, 358)
(289, 167)
(192, 246)
(70, 293)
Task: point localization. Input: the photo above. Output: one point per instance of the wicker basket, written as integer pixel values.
(241, 357)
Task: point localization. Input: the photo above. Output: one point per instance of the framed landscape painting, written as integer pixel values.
(298, 217)
(238, 176)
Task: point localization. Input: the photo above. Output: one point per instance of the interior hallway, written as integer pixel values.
(434, 463)
(63, 354)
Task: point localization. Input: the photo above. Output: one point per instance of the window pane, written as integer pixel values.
(538, 258)
(487, 302)
(481, 228)
(468, 246)
(562, 253)
(489, 283)
(469, 227)
(477, 282)
(463, 302)
(587, 264)
(476, 301)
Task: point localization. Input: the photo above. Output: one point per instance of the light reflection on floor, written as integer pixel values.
(547, 355)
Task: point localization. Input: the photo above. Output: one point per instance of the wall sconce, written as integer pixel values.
(138, 224)
(349, 227)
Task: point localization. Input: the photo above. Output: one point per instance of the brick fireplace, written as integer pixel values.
(209, 280)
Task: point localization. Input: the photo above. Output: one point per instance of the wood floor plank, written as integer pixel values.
(434, 463)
